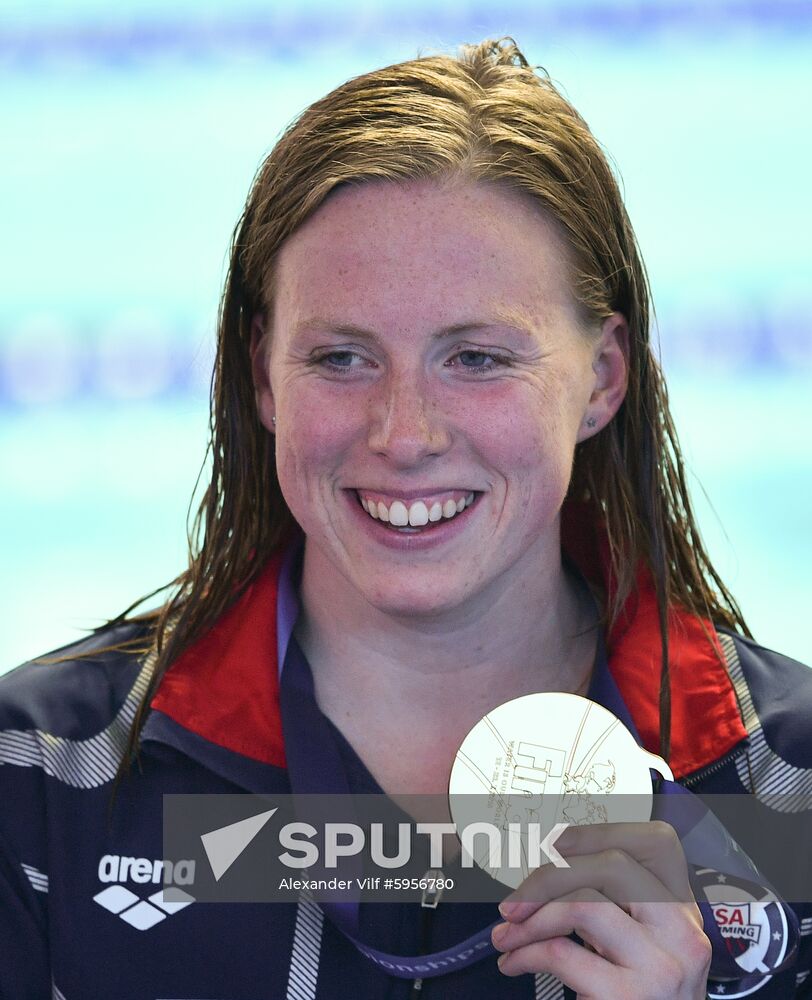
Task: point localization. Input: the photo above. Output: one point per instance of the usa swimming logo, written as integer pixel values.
(753, 925)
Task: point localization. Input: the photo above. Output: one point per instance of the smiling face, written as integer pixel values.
(430, 377)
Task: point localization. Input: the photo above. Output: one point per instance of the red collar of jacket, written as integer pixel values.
(225, 686)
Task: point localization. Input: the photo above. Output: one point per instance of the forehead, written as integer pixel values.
(423, 250)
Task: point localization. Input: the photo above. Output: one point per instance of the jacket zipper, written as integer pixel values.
(428, 903)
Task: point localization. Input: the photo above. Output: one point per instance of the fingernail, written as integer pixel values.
(501, 960)
(506, 908)
(498, 933)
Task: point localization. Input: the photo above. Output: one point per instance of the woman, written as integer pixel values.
(443, 471)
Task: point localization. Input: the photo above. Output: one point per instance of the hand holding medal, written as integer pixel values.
(557, 758)
(628, 949)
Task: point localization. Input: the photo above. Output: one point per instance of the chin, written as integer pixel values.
(405, 602)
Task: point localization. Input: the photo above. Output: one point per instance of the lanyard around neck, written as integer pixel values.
(315, 766)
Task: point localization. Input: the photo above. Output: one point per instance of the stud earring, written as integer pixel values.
(591, 422)
(273, 421)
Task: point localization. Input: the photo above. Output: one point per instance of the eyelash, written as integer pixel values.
(498, 361)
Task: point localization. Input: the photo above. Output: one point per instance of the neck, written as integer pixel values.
(443, 672)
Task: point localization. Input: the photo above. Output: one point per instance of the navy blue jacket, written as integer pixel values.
(81, 910)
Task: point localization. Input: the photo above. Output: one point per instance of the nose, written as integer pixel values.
(406, 425)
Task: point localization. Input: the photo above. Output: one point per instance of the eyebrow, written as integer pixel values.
(510, 318)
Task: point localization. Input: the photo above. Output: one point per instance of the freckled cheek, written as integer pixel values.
(310, 447)
(318, 430)
(529, 449)
(518, 436)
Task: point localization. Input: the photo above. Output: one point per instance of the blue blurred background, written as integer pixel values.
(129, 136)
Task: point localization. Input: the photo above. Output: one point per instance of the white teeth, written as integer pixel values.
(398, 515)
(418, 514)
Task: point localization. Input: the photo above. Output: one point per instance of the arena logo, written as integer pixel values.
(128, 905)
(119, 868)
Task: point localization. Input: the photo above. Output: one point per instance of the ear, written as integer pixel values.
(610, 363)
(261, 373)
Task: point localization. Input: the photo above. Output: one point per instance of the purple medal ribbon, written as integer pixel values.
(315, 767)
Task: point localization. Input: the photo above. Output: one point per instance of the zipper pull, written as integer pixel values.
(432, 895)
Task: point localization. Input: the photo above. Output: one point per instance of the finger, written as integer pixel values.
(654, 844)
(589, 914)
(613, 873)
(576, 967)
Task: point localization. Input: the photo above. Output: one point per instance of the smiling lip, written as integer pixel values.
(425, 494)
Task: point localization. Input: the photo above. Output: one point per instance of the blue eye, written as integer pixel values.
(473, 359)
(342, 361)
(477, 362)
